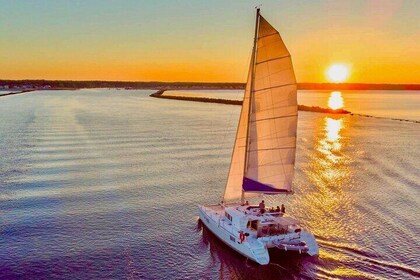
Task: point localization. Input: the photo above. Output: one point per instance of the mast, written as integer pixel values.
(254, 53)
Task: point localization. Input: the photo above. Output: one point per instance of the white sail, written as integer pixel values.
(267, 165)
(273, 123)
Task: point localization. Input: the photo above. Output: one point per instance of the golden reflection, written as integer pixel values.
(330, 145)
(339, 259)
(329, 173)
(333, 128)
(336, 100)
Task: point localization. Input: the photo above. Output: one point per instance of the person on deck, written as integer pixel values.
(278, 209)
(262, 207)
(283, 209)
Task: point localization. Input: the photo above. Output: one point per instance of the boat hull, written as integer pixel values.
(254, 248)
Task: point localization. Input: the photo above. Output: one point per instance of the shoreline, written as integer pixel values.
(18, 92)
(35, 89)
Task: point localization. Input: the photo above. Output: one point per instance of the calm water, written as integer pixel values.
(105, 184)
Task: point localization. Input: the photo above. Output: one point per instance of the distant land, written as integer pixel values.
(67, 84)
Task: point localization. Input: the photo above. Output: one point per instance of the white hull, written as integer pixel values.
(218, 228)
(252, 247)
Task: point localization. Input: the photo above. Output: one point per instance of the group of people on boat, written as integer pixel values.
(278, 209)
(262, 208)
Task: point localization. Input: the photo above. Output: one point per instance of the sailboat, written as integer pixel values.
(263, 158)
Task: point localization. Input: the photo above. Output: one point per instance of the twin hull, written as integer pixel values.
(256, 248)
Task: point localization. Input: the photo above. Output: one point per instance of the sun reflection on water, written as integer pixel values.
(329, 209)
(334, 215)
(330, 174)
(333, 128)
(330, 145)
(335, 101)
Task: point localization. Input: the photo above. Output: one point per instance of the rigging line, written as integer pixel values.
(285, 85)
(276, 147)
(274, 163)
(270, 137)
(275, 58)
(269, 109)
(274, 118)
(267, 35)
(271, 149)
(282, 70)
(274, 176)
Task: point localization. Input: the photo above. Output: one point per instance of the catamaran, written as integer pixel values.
(263, 158)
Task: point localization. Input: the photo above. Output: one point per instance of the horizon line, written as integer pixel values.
(202, 82)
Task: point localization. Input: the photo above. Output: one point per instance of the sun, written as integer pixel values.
(337, 73)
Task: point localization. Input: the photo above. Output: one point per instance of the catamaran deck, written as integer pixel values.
(258, 230)
(254, 212)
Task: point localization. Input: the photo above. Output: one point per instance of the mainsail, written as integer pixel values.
(264, 153)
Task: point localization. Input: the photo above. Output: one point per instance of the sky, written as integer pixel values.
(205, 41)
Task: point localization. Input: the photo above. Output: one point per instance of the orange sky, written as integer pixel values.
(191, 41)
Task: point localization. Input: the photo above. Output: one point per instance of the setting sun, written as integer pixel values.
(337, 73)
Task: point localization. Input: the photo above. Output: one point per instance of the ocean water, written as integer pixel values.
(105, 184)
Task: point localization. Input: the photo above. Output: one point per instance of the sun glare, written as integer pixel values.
(333, 128)
(337, 73)
(336, 100)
